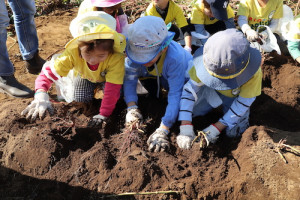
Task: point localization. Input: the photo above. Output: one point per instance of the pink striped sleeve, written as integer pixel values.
(42, 81)
(111, 96)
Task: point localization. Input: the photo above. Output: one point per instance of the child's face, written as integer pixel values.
(207, 12)
(95, 56)
(109, 10)
(149, 64)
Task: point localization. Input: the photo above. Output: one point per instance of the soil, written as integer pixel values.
(59, 158)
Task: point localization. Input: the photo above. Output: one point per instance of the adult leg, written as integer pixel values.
(24, 11)
(8, 82)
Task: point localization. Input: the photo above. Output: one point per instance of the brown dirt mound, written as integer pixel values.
(59, 158)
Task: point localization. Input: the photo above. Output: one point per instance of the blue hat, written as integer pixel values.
(227, 60)
(219, 8)
(147, 36)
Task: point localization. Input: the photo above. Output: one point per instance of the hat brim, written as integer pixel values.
(94, 36)
(227, 84)
(220, 14)
(140, 57)
(105, 4)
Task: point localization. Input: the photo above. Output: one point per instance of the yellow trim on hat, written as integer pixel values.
(101, 32)
(230, 76)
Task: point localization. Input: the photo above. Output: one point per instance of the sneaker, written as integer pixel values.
(10, 85)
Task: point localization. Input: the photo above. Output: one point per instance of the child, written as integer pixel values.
(253, 13)
(95, 55)
(211, 16)
(226, 72)
(170, 12)
(112, 7)
(294, 39)
(152, 53)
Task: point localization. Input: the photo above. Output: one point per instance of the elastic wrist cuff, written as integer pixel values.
(132, 107)
(216, 127)
(186, 124)
(166, 132)
(40, 92)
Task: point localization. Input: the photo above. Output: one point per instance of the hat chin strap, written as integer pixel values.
(158, 81)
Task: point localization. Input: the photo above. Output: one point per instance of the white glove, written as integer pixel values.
(158, 141)
(212, 133)
(252, 35)
(264, 35)
(38, 106)
(186, 136)
(133, 114)
(188, 49)
(96, 121)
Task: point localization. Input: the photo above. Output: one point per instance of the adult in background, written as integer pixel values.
(23, 11)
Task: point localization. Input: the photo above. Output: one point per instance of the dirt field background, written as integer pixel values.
(51, 159)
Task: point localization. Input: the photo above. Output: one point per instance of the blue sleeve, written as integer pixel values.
(229, 23)
(176, 77)
(237, 109)
(130, 81)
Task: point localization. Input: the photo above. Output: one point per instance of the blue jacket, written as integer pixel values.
(175, 73)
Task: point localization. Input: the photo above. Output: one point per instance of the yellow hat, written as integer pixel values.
(95, 25)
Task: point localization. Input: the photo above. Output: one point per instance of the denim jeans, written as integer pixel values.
(23, 11)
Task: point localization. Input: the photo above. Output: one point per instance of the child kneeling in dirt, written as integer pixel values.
(211, 16)
(170, 12)
(227, 72)
(152, 53)
(95, 55)
(112, 7)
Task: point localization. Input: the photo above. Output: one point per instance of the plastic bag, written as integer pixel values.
(270, 43)
(64, 85)
(285, 23)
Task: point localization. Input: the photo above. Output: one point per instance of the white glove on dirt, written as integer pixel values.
(252, 35)
(96, 121)
(158, 141)
(185, 137)
(212, 133)
(188, 49)
(38, 106)
(133, 114)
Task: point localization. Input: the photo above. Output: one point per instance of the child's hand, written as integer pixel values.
(252, 35)
(133, 115)
(38, 106)
(186, 136)
(158, 141)
(97, 121)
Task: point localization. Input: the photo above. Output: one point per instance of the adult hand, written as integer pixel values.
(38, 106)
(212, 133)
(133, 114)
(252, 35)
(158, 141)
(186, 136)
(96, 121)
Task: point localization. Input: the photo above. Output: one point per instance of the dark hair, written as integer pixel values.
(102, 44)
(114, 8)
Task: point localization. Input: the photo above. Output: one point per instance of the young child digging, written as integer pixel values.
(111, 7)
(170, 12)
(211, 16)
(95, 55)
(227, 72)
(161, 62)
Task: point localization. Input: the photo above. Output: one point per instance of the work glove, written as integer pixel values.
(185, 137)
(133, 114)
(212, 133)
(158, 141)
(96, 121)
(188, 49)
(252, 35)
(38, 106)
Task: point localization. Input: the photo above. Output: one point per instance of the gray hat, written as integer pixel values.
(227, 60)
